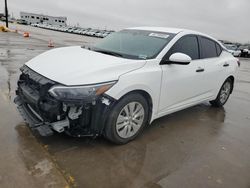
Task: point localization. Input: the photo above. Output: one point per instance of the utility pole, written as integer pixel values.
(6, 14)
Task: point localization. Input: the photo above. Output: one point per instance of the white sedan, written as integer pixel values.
(124, 82)
(233, 49)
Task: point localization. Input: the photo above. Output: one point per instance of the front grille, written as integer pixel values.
(35, 81)
(33, 90)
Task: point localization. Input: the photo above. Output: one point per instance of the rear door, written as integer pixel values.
(214, 64)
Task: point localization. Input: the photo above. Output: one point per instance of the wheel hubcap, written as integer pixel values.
(225, 92)
(130, 120)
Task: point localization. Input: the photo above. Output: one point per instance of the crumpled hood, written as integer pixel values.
(78, 66)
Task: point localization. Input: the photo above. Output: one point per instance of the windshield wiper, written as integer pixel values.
(109, 53)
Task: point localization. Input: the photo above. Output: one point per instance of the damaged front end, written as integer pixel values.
(50, 107)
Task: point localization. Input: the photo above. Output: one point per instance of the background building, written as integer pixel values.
(31, 18)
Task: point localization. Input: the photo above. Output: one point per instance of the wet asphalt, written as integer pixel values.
(197, 147)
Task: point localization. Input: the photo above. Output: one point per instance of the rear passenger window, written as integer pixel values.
(218, 49)
(187, 45)
(208, 48)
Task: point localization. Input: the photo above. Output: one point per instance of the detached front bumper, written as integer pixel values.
(47, 115)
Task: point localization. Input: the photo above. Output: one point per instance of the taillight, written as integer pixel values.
(238, 62)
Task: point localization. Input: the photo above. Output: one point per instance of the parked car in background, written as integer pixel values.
(75, 30)
(233, 49)
(84, 31)
(70, 29)
(64, 29)
(23, 22)
(34, 25)
(91, 32)
(98, 34)
(124, 82)
(245, 50)
(11, 20)
(105, 34)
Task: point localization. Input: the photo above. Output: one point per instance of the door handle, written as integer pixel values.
(200, 70)
(226, 65)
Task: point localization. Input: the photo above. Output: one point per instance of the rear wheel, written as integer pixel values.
(127, 119)
(224, 94)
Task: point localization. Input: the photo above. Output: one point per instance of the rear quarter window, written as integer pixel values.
(218, 49)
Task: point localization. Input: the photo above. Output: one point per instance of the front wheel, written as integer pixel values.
(127, 119)
(224, 94)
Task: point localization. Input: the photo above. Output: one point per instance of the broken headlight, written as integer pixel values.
(86, 93)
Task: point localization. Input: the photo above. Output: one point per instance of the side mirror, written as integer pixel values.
(178, 58)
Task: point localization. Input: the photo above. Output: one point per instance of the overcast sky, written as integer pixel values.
(223, 19)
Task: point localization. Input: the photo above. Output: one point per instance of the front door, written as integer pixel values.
(182, 85)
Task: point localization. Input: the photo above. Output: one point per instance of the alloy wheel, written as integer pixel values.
(130, 119)
(225, 92)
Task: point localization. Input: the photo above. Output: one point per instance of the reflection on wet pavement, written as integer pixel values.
(190, 143)
(197, 147)
(12, 58)
(23, 163)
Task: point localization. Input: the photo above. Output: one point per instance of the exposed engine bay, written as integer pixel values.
(47, 115)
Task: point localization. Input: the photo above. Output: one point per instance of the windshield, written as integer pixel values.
(231, 47)
(243, 47)
(134, 44)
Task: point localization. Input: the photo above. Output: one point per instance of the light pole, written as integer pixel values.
(6, 14)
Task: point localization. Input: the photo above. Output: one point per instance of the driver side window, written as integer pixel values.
(187, 45)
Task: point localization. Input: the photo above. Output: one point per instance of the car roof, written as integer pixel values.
(159, 29)
(170, 30)
(174, 31)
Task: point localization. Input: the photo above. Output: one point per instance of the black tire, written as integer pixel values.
(218, 102)
(110, 131)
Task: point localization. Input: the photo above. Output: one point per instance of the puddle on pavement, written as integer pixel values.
(38, 163)
(160, 151)
(10, 62)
